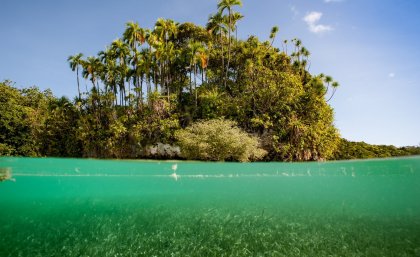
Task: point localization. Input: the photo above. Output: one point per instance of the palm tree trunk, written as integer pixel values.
(129, 92)
(162, 77)
(97, 84)
(229, 47)
(190, 80)
(78, 84)
(195, 83)
(168, 81)
(331, 95)
(155, 81)
(141, 93)
(149, 84)
(223, 59)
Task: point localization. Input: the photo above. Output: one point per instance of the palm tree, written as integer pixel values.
(137, 75)
(285, 46)
(146, 56)
(327, 79)
(75, 61)
(134, 36)
(165, 30)
(194, 50)
(297, 53)
(121, 51)
(91, 69)
(159, 55)
(153, 42)
(227, 5)
(305, 53)
(110, 78)
(235, 18)
(109, 75)
(273, 34)
(334, 85)
(203, 56)
(170, 55)
(216, 25)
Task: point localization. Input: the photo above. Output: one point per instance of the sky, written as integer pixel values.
(371, 47)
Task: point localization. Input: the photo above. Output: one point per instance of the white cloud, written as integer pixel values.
(391, 75)
(312, 19)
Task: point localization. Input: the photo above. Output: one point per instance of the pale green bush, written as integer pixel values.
(218, 140)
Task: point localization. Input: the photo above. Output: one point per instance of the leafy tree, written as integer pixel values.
(218, 140)
(75, 62)
(14, 128)
(22, 117)
(59, 130)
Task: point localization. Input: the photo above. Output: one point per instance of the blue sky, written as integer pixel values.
(370, 46)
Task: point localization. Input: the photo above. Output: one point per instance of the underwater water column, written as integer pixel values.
(77, 207)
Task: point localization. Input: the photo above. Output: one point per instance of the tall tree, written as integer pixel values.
(109, 74)
(75, 62)
(121, 51)
(334, 85)
(195, 48)
(91, 67)
(327, 79)
(165, 29)
(216, 25)
(273, 34)
(135, 36)
(228, 5)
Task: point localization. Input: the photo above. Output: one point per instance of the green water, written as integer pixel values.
(71, 207)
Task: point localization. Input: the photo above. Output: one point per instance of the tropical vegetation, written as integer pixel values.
(149, 85)
(218, 140)
(361, 150)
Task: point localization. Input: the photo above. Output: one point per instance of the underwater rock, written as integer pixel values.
(5, 174)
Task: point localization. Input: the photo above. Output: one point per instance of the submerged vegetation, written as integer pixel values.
(154, 231)
(151, 83)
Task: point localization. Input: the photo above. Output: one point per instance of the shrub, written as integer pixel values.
(218, 140)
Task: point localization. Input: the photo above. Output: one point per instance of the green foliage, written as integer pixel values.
(150, 83)
(175, 74)
(59, 130)
(34, 123)
(211, 103)
(13, 125)
(218, 140)
(6, 150)
(361, 150)
(22, 116)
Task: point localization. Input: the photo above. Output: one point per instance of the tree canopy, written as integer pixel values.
(152, 82)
